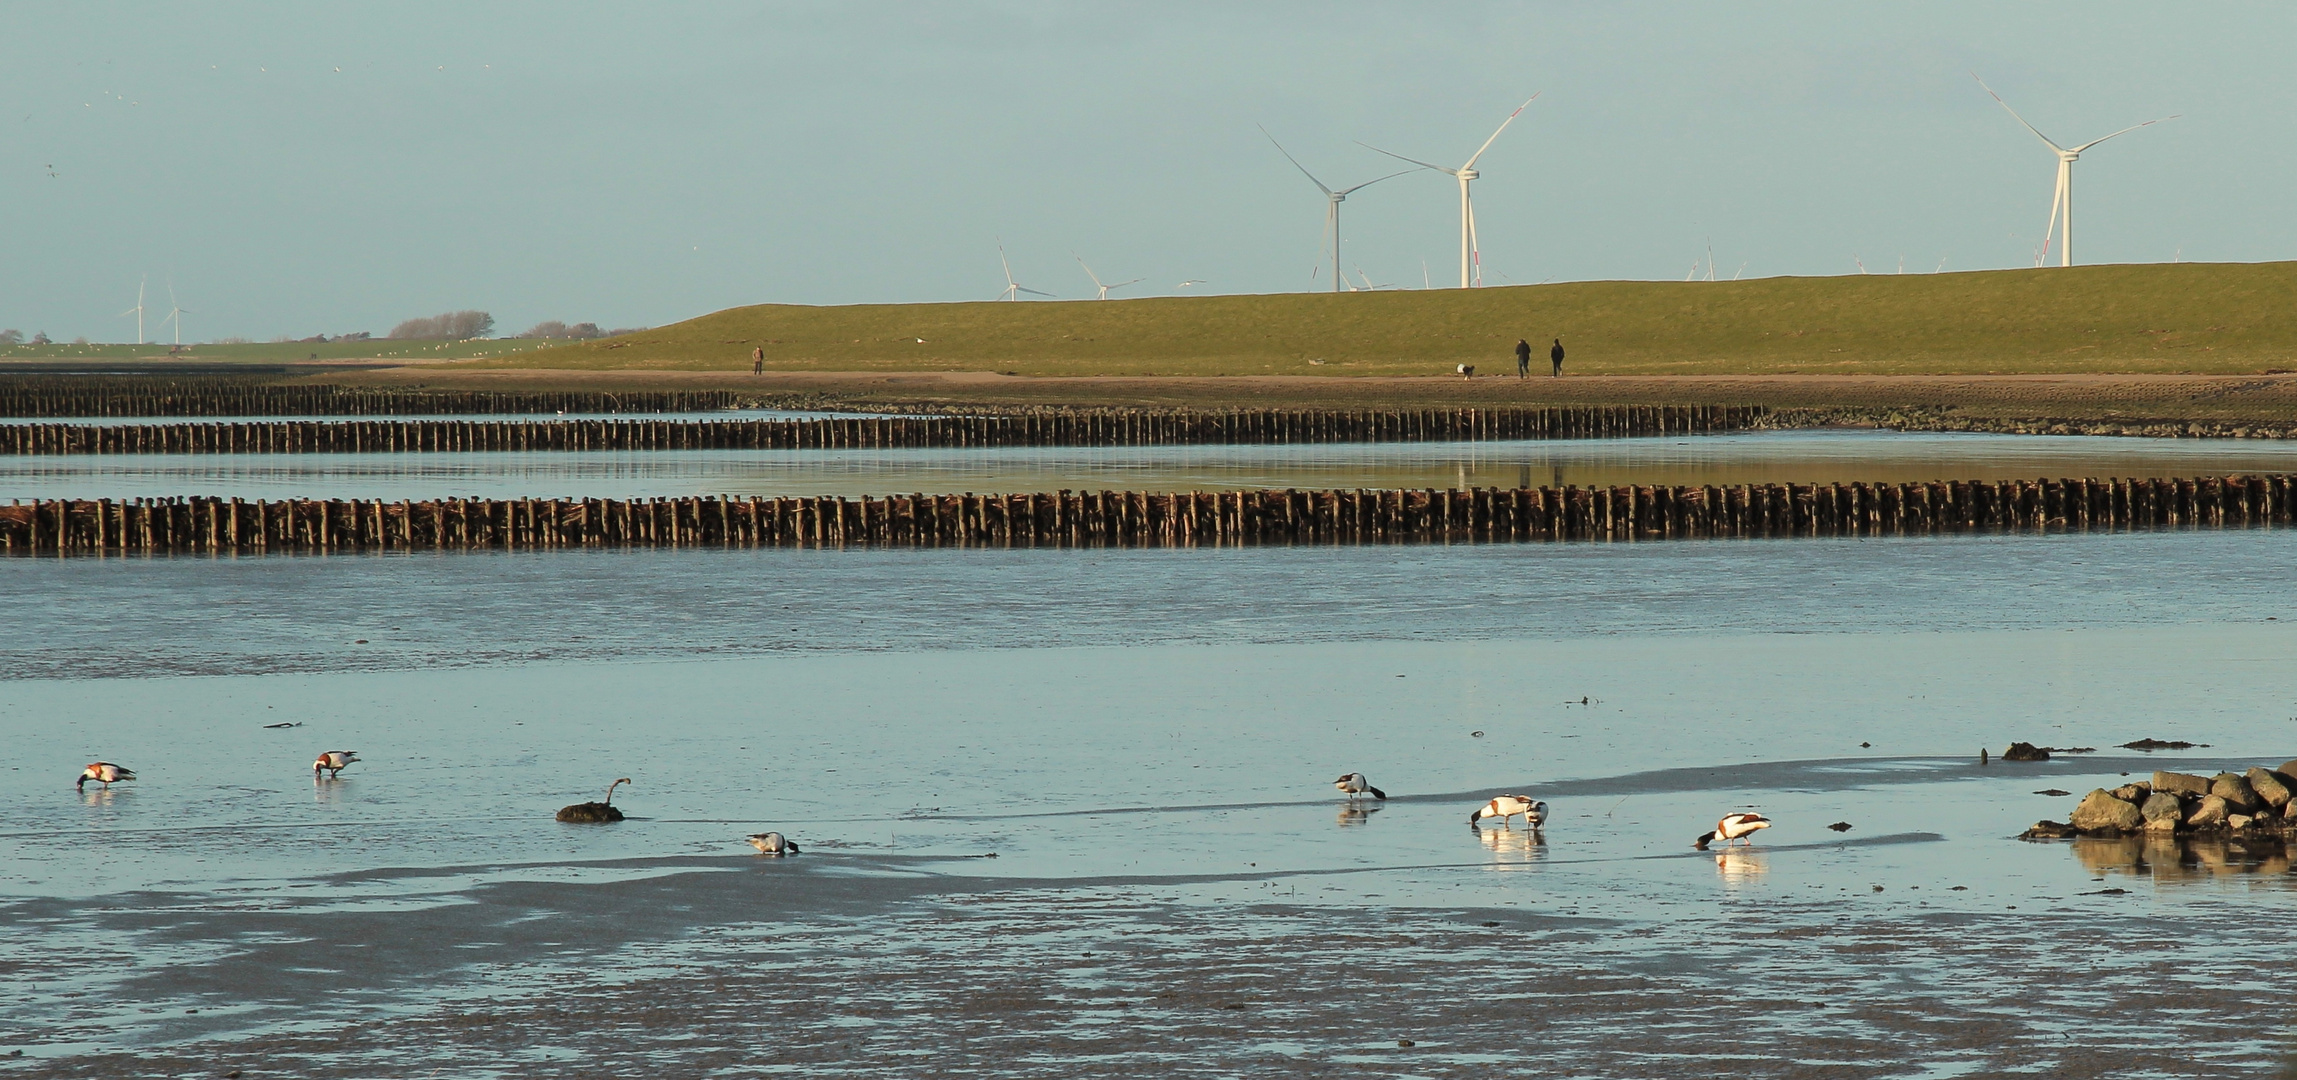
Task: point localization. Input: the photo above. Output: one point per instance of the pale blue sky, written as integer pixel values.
(638, 164)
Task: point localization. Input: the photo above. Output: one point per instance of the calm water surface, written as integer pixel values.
(1764, 457)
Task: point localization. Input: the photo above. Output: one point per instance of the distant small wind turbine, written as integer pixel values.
(138, 310)
(1470, 268)
(175, 314)
(2062, 200)
(1104, 293)
(1013, 289)
(1332, 201)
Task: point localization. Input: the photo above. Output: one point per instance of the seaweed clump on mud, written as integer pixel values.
(2257, 802)
(594, 813)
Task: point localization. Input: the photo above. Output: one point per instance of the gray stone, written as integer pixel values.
(2100, 810)
(2235, 791)
(2238, 822)
(2178, 783)
(2288, 768)
(2211, 813)
(2270, 786)
(2162, 806)
(2133, 793)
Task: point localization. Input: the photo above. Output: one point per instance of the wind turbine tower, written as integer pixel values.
(138, 310)
(1471, 265)
(2061, 201)
(1332, 202)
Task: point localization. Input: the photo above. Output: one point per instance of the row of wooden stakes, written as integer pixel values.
(1148, 519)
(230, 395)
(1064, 428)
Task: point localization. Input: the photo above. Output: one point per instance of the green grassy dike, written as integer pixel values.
(2198, 318)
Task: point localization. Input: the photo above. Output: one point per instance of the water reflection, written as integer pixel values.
(97, 796)
(1739, 865)
(2180, 858)
(1512, 847)
(1357, 813)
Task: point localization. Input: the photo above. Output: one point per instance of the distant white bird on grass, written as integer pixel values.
(1504, 807)
(1355, 784)
(1733, 827)
(332, 763)
(103, 772)
(773, 844)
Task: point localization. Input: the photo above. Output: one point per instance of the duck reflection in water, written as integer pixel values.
(2184, 858)
(1513, 845)
(97, 796)
(1741, 864)
(1356, 813)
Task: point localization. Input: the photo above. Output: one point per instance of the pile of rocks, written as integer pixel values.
(2259, 801)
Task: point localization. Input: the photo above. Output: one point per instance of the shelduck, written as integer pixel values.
(103, 772)
(1504, 807)
(1355, 784)
(332, 763)
(773, 844)
(1733, 827)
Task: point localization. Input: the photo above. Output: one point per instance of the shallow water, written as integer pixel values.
(1146, 741)
(1748, 458)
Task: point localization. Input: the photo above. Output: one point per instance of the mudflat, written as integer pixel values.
(2260, 398)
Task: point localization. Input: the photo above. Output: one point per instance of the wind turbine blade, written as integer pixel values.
(1393, 175)
(2124, 131)
(2013, 112)
(1007, 265)
(2057, 198)
(1030, 291)
(1122, 284)
(1296, 162)
(1475, 246)
(1415, 161)
(1502, 127)
(1089, 271)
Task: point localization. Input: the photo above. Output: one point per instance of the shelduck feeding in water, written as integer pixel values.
(103, 772)
(1355, 784)
(1504, 807)
(332, 762)
(1733, 827)
(773, 844)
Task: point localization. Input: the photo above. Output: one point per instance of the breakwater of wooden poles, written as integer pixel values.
(1050, 428)
(228, 395)
(1149, 519)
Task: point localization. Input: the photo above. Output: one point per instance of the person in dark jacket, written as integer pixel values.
(1522, 359)
(1555, 355)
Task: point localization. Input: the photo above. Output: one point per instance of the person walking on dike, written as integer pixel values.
(1522, 359)
(758, 360)
(1555, 355)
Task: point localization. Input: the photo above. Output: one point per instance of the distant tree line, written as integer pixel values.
(452, 326)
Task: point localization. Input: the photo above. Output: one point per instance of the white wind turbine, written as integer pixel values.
(2062, 201)
(1013, 289)
(1097, 279)
(138, 310)
(1332, 201)
(175, 314)
(1471, 267)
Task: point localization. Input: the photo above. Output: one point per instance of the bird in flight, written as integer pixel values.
(1189, 282)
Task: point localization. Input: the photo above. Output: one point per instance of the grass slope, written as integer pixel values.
(2182, 317)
